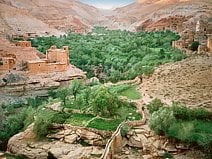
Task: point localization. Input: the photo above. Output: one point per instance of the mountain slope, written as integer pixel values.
(188, 81)
(40, 16)
(57, 16)
(134, 16)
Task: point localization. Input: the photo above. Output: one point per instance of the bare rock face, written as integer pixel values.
(63, 144)
(17, 86)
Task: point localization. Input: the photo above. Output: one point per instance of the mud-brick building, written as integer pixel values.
(23, 43)
(6, 63)
(57, 60)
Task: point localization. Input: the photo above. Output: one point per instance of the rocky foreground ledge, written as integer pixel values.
(61, 145)
(64, 144)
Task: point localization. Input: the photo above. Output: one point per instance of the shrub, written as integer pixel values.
(52, 93)
(155, 105)
(14, 123)
(45, 119)
(194, 46)
(167, 155)
(35, 102)
(184, 113)
(125, 129)
(1, 117)
(43, 122)
(161, 120)
(198, 132)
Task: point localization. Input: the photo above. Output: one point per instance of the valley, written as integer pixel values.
(82, 82)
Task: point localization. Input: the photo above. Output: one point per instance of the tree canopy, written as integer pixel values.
(113, 55)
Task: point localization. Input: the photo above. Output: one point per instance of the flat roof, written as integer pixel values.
(37, 61)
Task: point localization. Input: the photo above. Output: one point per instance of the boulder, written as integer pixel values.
(88, 135)
(71, 138)
(170, 148)
(56, 107)
(138, 141)
(147, 156)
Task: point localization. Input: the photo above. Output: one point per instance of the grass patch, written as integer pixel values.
(102, 124)
(79, 119)
(126, 90)
(129, 111)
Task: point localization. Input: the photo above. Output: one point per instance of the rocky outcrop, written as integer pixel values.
(62, 145)
(17, 86)
(72, 134)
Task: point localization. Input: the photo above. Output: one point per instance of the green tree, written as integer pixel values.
(161, 120)
(63, 94)
(1, 117)
(75, 88)
(104, 103)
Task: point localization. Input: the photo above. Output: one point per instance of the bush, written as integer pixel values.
(13, 124)
(45, 119)
(161, 120)
(184, 113)
(155, 105)
(52, 93)
(198, 132)
(1, 117)
(43, 122)
(35, 102)
(194, 46)
(125, 129)
(167, 155)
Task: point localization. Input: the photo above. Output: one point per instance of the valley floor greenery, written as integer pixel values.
(192, 126)
(95, 106)
(114, 55)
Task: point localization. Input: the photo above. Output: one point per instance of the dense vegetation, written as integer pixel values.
(116, 55)
(95, 106)
(193, 126)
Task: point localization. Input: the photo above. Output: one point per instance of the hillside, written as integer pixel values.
(57, 16)
(52, 17)
(147, 14)
(188, 81)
